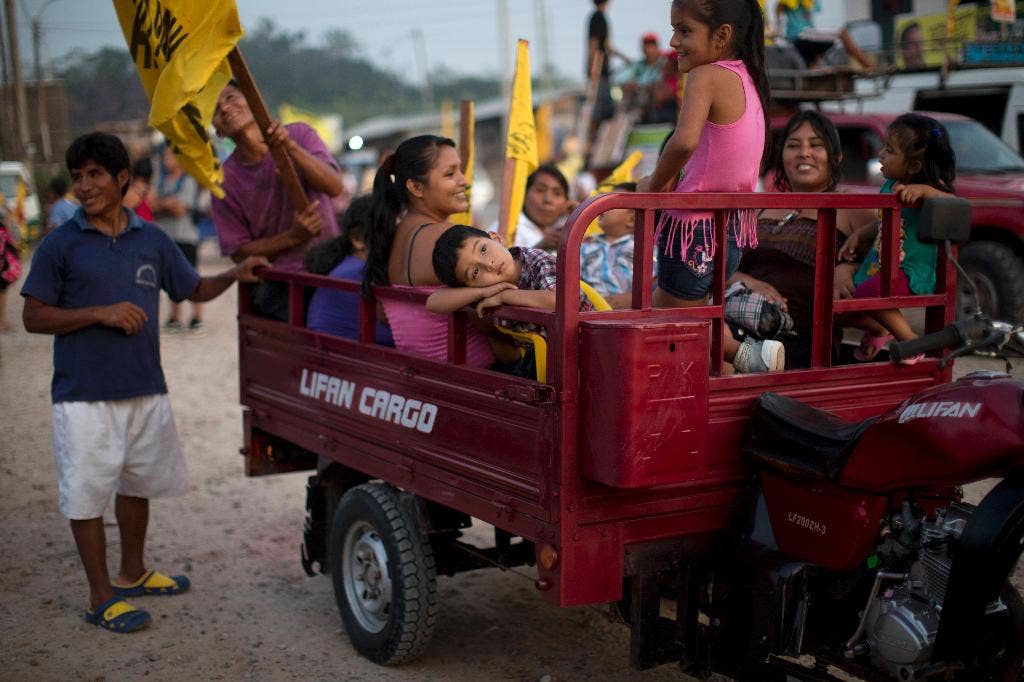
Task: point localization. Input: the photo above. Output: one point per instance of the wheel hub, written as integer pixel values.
(367, 583)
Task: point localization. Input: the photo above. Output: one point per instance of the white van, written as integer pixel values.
(993, 96)
(11, 173)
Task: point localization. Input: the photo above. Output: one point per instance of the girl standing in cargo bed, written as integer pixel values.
(719, 143)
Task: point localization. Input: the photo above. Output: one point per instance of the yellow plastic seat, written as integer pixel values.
(540, 344)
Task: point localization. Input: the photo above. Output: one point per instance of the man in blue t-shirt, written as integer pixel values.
(95, 285)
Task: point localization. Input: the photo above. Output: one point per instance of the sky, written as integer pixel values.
(461, 35)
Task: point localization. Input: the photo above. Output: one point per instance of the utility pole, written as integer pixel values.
(421, 59)
(24, 142)
(541, 17)
(6, 111)
(41, 107)
(504, 58)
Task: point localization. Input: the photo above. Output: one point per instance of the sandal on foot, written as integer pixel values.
(153, 582)
(117, 615)
(870, 345)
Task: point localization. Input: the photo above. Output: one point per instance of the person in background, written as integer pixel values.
(139, 196)
(10, 268)
(664, 107)
(95, 285)
(176, 195)
(606, 259)
(333, 311)
(544, 207)
(62, 208)
(798, 18)
(912, 46)
(256, 217)
(599, 47)
(639, 79)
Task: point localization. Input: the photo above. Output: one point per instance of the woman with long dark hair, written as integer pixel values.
(415, 191)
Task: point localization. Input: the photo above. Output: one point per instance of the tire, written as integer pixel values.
(1009, 659)
(382, 568)
(999, 276)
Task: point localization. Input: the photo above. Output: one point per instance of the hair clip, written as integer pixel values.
(937, 132)
(392, 178)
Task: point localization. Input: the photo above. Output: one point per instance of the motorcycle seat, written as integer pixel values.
(800, 440)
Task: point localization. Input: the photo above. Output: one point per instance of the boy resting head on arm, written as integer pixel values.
(480, 271)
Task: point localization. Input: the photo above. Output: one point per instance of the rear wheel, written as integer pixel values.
(383, 572)
(998, 274)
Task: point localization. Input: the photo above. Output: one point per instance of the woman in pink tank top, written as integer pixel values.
(415, 191)
(719, 145)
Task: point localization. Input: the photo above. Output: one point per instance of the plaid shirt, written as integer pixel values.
(607, 265)
(537, 273)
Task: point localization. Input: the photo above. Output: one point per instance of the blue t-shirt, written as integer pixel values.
(337, 312)
(77, 266)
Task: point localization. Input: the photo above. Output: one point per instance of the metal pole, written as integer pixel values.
(504, 58)
(19, 85)
(541, 17)
(421, 60)
(6, 110)
(44, 119)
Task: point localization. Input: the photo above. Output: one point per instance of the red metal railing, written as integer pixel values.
(562, 325)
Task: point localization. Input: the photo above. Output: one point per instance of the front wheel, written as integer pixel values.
(1007, 656)
(382, 567)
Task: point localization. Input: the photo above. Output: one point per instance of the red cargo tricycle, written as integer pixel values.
(802, 521)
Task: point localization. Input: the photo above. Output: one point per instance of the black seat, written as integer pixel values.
(800, 440)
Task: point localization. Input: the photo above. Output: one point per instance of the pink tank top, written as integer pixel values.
(417, 330)
(727, 159)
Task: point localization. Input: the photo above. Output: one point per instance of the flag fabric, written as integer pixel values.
(468, 151)
(622, 173)
(521, 146)
(328, 126)
(180, 50)
(545, 134)
(447, 120)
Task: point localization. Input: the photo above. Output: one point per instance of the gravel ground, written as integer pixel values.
(252, 612)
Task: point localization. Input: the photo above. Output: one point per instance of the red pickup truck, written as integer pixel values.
(989, 173)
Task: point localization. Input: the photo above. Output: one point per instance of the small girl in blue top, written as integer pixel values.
(918, 163)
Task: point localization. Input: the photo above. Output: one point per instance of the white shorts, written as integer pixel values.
(126, 446)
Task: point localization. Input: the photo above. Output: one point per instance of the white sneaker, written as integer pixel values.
(759, 356)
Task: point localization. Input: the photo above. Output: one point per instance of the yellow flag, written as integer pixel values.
(545, 136)
(521, 147)
(622, 173)
(19, 205)
(468, 150)
(327, 127)
(180, 50)
(447, 120)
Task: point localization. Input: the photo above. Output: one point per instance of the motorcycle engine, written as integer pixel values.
(903, 618)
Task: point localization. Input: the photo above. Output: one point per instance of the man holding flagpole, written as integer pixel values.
(256, 217)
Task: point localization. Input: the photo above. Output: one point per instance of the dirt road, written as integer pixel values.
(252, 613)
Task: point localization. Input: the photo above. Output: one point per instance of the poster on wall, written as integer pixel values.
(1004, 11)
(921, 39)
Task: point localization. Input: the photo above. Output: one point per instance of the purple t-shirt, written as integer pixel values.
(256, 204)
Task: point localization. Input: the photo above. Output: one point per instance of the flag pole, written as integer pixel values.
(467, 129)
(285, 167)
